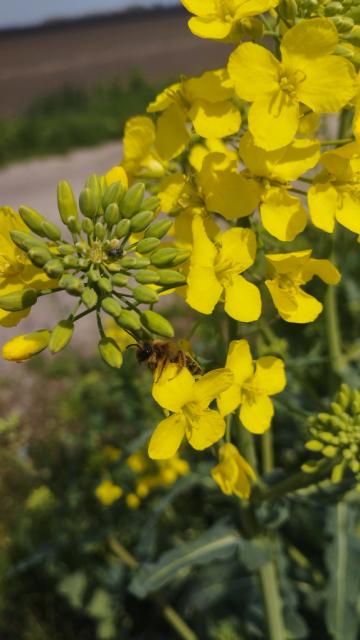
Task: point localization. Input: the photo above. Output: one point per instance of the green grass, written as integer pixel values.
(74, 118)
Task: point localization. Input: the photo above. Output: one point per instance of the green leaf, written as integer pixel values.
(218, 543)
(254, 553)
(343, 561)
(100, 605)
(73, 588)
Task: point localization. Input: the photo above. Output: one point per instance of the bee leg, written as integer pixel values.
(160, 368)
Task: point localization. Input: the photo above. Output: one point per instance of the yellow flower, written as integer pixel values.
(121, 337)
(137, 462)
(289, 272)
(132, 501)
(335, 194)
(188, 400)
(233, 474)
(206, 101)
(211, 145)
(216, 268)
(140, 157)
(16, 270)
(24, 347)
(307, 74)
(282, 214)
(108, 492)
(223, 19)
(252, 386)
(117, 174)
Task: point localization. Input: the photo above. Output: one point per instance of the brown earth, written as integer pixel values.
(37, 62)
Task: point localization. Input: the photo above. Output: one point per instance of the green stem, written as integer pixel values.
(267, 451)
(333, 332)
(247, 446)
(338, 142)
(299, 480)
(272, 601)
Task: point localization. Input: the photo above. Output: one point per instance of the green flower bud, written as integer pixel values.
(251, 27)
(71, 262)
(142, 293)
(94, 184)
(54, 268)
(87, 226)
(51, 231)
(73, 224)
(164, 257)
(158, 229)
(132, 200)
(113, 194)
(71, 284)
(61, 335)
(84, 263)
(134, 262)
(181, 257)
(141, 220)
(82, 247)
(146, 245)
(66, 201)
(39, 256)
(105, 285)
(111, 306)
(288, 9)
(100, 231)
(354, 36)
(342, 23)
(171, 278)
(32, 219)
(88, 203)
(119, 280)
(18, 300)
(89, 297)
(112, 214)
(333, 9)
(66, 249)
(147, 276)
(150, 204)
(354, 13)
(25, 241)
(110, 353)
(122, 228)
(93, 274)
(129, 320)
(155, 323)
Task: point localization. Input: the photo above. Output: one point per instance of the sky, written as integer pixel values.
(18, 13)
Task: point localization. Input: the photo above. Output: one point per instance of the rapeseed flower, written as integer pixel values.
(140, 156)
(289, 272)
(307, 74)
(216, 268)
(108, 492)
(233, 474)
(253, 384)
(188, 400)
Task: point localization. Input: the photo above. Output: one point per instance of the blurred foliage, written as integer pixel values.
(73, 118)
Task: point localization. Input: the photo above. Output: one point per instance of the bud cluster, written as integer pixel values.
(336, 435)
(115, 263)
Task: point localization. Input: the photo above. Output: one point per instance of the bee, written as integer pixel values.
(115, 249)
(158, 354)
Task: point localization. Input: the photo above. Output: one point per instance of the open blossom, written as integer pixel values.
(335, 194)
(253, 383)
(307, 74)
(141, 158)
(188, 400)
(289, 272)
(108, 492)
(222, 19)
(233, 474)
(216, 268)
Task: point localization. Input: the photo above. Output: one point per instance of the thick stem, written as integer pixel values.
(272, 601)
(267, 451)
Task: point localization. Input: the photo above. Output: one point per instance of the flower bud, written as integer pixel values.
(93, 274)
(333, 9)
(354, 36)
(155, 323)
(158, 229)
(73, 224)
(288, 9)
(32, 219)
(105, 285)
(134, 262)
(146, 245)
(110, 353)
(164, 257)
(129, 320)
(181, 257)
(122, 228)
(87, 226)
(342, 23)
(18, 300)
(93, 183)
(54, 268)
(61, 335)
(142, 293)
(111, 306)
(150, 204)
(88, 203)
(89, 297)
(141, 220)
(119, 280)
(71, 262)
(171, 278)
(113, 194)
(66, 249)
(25, 241)
(66, 202)
(39, 256)
(71, 284)
(51, 231)
(132, 200)
(24, 347)
(112, 214)
(251, 27)
(147, 276)
(100, 231)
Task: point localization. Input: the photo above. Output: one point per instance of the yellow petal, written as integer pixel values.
(328, 85)
(229, 400)
(348, 212)
(200, 7)
(24, 347)
(269, 377)
(174, 388)
(238, 248)
(253, 70)
(172, 135)
(299, 309)
(171, 189)
(210, 27)
(324, 269)
(239, 361)
(117, 174)
(139, 135)
(211, 86)
(322, 199)
(165, 98)
(273, 119)
(211, 385)
(12, 318)
(288, 262)
(242, 300)
(216, 120)
(167, 437)
(207, 429)
(204, 289)
(310, 38)
(282, 215)
(256, 414)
